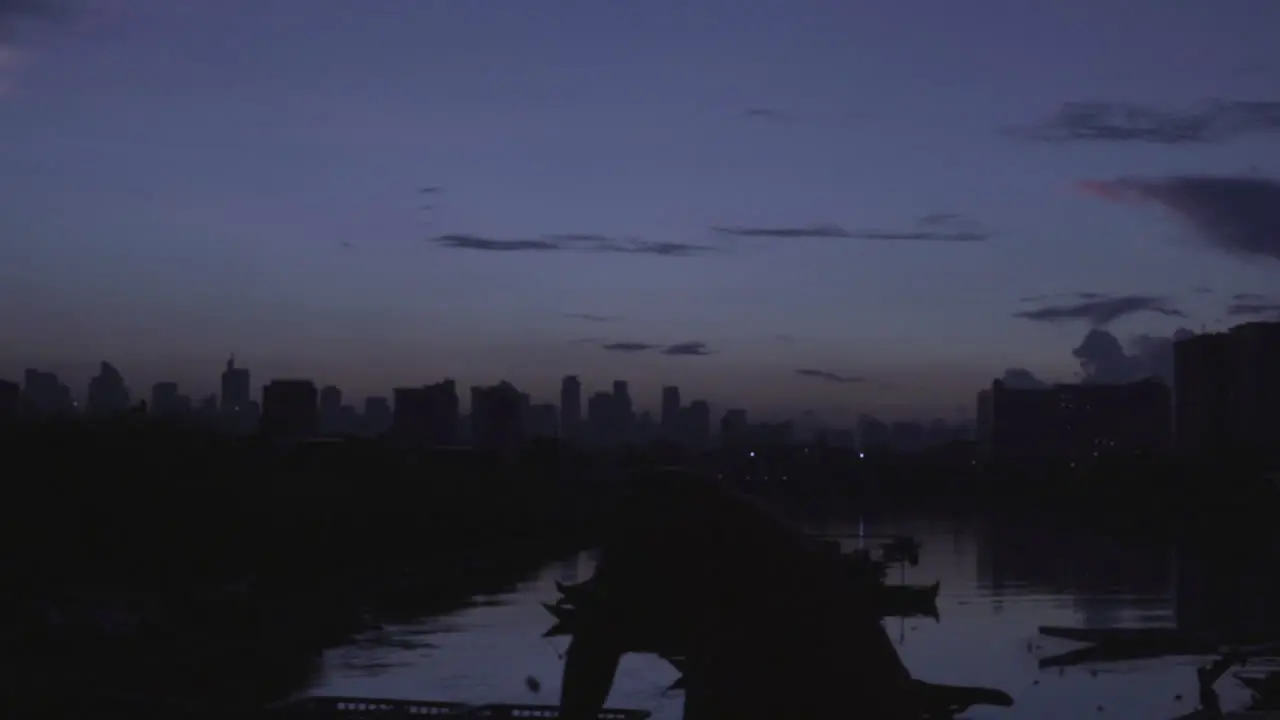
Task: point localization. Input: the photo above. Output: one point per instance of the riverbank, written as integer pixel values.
(163, 561)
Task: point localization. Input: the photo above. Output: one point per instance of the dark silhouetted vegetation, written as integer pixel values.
(151, 559)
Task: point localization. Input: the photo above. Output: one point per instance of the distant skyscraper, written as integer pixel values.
(44, 394)
(496, 415)
(670, 411)
(10, 398)
(235, 387)
(290, 409)
(1202, 394)
(733, 426)
(107, 392)
(377, 415)
(623, 413)
(602, 417)
(1255, 386)
(165, 399)
(697, 426)
(330, 409)
(570, 406)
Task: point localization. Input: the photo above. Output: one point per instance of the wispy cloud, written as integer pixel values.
(1234, 214)
(769, 114)
(1248, 297)
(473, 242)
(692, 348)
(572, 243)
(628, 347)
(1103, 121)
(1255, 306)
(1101, 312)
(935, 227)
(1076, 295)
(687, 349)
(591, 317)
(828, 376)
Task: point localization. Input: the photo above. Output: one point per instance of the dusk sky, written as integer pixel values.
(711, 193)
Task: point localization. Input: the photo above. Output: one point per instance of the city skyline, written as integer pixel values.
(800, 207)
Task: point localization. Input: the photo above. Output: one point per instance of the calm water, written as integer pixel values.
(998, 586)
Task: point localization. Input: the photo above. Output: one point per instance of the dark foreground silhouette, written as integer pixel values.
(763, 622)
(164, 563)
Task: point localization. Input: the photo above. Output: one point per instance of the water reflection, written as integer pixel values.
(999, 583)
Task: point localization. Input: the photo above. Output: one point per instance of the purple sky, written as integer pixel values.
(178, 180)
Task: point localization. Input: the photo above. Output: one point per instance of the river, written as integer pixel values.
(998, 585)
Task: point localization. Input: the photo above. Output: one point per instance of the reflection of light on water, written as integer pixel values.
(489, 651)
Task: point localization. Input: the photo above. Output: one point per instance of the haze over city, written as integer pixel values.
(785, 206)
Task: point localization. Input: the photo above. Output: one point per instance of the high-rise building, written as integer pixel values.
(10, 398)
(496, 417)
(108, 394)
(330, 410)
(1227, 391)
(1081, 421)
(44, 394)
(733, 427)
(1255, 386)
(235, 387)
(570, 407)
(290, 409)
(670, 412)
(1201, 394)
(377, 415)
(696, 425)
(427, 414)
(624, 414)
(165, 399)
(602, 417)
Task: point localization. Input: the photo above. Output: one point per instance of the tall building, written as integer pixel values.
(695, 429)
(427, 414)
(10, 398)
(1081, 421)
(1254, 397)
(44, 394)
(496, 417)
(235, 387)
(624, 415)
(670, 412)
(290, 409)
(377, 415)
(570, 407)
(165, 399)
(1201, 394)
(411, 414)
(1227, 391)
(330, 410)
(873, 434)
(108, 394)
(602, 418)
(733, 427)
